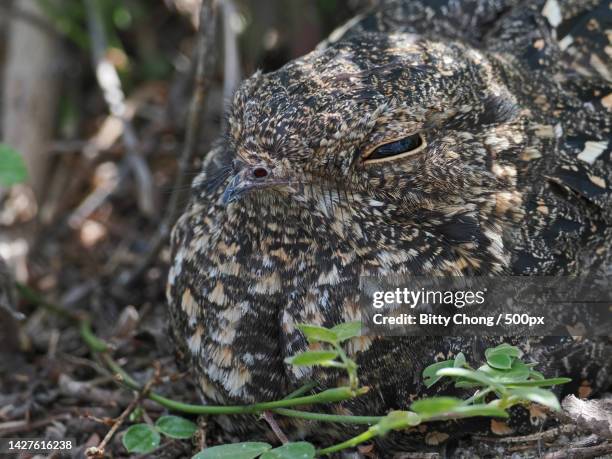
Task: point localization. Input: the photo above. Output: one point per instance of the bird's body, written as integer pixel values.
(504, 168)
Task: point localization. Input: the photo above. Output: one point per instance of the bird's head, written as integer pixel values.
(397, 120)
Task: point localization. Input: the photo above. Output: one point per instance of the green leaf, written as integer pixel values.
(310, 358)
(504, 349)
(314, 333)
(298, 450)
(500, 361)
(338, 394)
(459, 360)
(430, 376)
(472, 375)
(141, 438)
(534, 394)
(136, 414)
(468, 411)
(347, 330)
(435, 405)
(176, 427)
(12, 167)
(519, 371)
(246, 450)
(397, 420)
(540, 382)
(465, 384)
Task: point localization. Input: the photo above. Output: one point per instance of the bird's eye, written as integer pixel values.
(406, 146)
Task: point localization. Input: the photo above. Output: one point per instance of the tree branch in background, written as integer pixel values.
(205, 64)
(13, 12)
(30, 90)
(231, 58)
(109, 82)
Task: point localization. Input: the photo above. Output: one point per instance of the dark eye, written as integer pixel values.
(392, 150)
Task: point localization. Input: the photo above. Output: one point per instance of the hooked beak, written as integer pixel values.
(247, 179)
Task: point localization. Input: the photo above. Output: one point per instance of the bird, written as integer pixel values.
(426, 138)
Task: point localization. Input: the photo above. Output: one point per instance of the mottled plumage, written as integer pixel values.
(512, 100)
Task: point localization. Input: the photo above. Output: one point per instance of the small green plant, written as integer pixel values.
(500, 383)
(12, 167)
(144, 438)
(333, 357)
(503, 381)
(252, 450)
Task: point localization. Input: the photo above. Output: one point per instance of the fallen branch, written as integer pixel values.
(592, 415)
(581, 453)
(13, 427)
(545, 435)
(88, 392)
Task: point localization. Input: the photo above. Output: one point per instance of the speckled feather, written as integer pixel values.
(513, 100)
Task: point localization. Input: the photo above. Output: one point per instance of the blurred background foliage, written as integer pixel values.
(80, 216)
(151, 40)
(148, 40)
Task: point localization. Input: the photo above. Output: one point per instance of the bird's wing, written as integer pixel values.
(582, 29)
(593, 184)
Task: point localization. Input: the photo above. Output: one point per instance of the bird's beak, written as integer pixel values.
(250, 178)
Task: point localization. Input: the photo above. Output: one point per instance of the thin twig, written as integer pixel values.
(417, 456)
(205, 63)
(269, 418)
(25, 425)
(98, 451)
(545, 435)
(88, 392)
(581, 453)
(110, 83)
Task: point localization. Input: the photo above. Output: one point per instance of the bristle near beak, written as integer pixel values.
(250, 178)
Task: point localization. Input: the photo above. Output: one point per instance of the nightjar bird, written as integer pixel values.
(441, 137)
